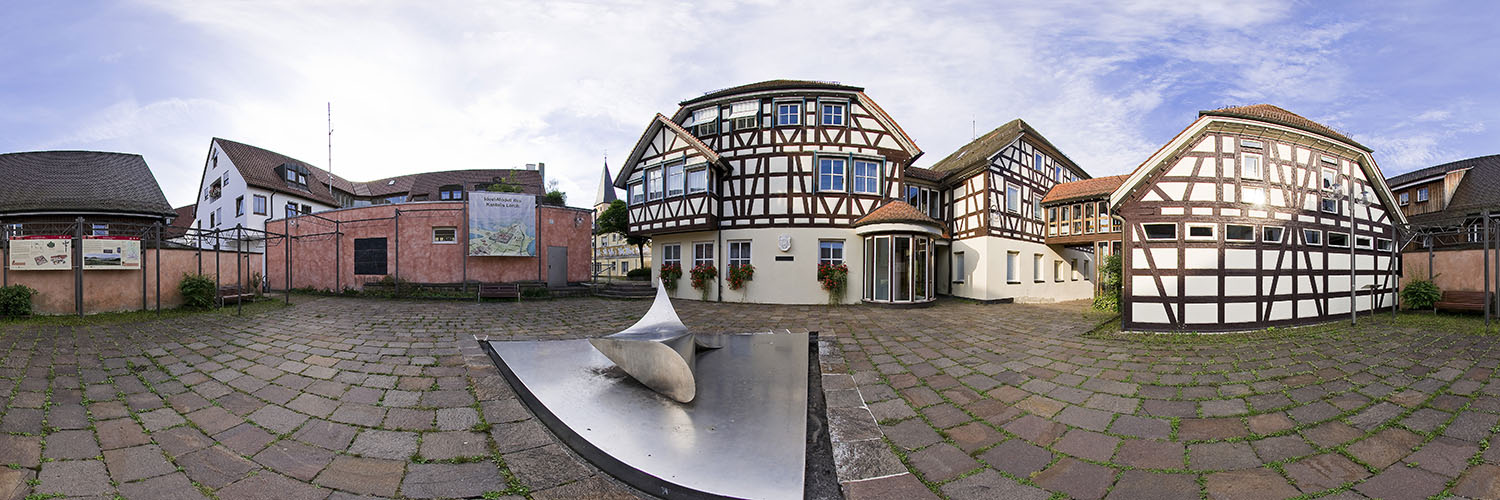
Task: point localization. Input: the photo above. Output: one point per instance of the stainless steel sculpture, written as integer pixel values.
(659, 351)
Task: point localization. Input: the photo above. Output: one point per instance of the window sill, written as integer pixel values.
(1009, 282)
(960, 282)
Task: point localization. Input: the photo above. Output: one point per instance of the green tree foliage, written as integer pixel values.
(1110, 281)
(616, 219)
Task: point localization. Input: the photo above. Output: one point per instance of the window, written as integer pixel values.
(1312, 237)
(625, 266)
(831, 174)
(239, 206)
(788, 114)
(959, 270)
(1077, 219)
(1422, 194)
(833, 115)
(703, 253)
(1239, 232)
(739, 253)
(1250, 143)
(637, 193)
(1085, 270)
(1160, 231)
(867, 177)
(1012, 199)
(1038, 162)
(1057, 270)
(1271, 234)
(259, 205)
(306, 209)
(1036, 208)
(99, 230)
(1036, 268)
(1012, 261)
(1383, 244)
(744, 115)
(653, 184)
(1405, 198)
(291, 175)
(369, 256)
(451, 192)
(1088, 218)
(1364, 242)
(830, 252)
(1250, 166)
(291, 209)
(1201, 232)
(1253, 195)
(706, 120)
(445, 235)
(935, 204)
(1052, 221)
(697, 180)
(1330, 178)
(671, 254)
(674, 179)
(1073, 271)
(1330, 205)
(1340, 240)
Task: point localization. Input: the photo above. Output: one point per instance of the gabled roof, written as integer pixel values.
(923, 174)
(258, 167)
(1439, 170)
(640, 146)
(772, 85)
(183, 221)
(1099, 187)
(979, 151)
(1480, 187)
(1280, 121)
(896, 211)
(606, 193)
(1273, 114)
(80, 181)
(431, 182)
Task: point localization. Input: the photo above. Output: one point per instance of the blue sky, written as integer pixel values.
(420, 86)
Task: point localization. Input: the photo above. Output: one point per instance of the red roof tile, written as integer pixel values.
(896, 211)
(1099, 187)
(1273, 114)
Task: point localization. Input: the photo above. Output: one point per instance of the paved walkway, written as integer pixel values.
(343, 398)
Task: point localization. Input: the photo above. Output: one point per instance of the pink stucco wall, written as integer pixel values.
(421, 260)
(1456, 270)
(106, 291)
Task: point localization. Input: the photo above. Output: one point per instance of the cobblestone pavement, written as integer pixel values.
(346, 398)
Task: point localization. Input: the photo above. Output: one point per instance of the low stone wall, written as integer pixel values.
(108, 291)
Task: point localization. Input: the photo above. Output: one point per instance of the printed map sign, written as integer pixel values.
(502, 225)
(41, 253)
(111, 252)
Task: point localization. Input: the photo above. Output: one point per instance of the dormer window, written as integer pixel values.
(1422, 194)
(451, 192)
(744, 115)
(705, 120)
(295, 174)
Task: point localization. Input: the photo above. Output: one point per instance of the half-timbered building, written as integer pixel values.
(1254, 217)
(771, 174)
(993, 188)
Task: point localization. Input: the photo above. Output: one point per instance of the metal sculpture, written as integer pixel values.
(659, 351)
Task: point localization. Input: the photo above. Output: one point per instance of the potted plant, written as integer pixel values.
(702, 275)
(670, 273)
(834, 278)
(739, 274)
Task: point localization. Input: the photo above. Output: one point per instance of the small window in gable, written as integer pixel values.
(1239, 232)
(1340, 240)
(1422, 195)
(1201, 232)
(1383, 244)
(706, 120)
(1364, 242)
(1250, 143)
(1271, 234)
(1312, 237)
(1405, 198)
(1250, 167)
(1160, 231)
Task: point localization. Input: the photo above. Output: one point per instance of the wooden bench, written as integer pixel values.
(1461, 301)
(232, 293)
(499, 291)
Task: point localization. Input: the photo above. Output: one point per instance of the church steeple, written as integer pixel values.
(606, 192)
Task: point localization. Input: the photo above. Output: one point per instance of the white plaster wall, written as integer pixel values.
(987, 280)
(775, 282)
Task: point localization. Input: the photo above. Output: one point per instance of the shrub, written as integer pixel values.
(834, 278)
(702, 274)
(1110, 282)
(197, 291)
(15, 301)
(1421, 293)
(670, 273)
(739, 274)
(535, 293)
(639, 273)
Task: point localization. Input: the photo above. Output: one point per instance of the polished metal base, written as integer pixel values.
(742, 436)
(658, 350)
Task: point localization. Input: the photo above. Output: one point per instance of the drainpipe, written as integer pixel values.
(719, 280)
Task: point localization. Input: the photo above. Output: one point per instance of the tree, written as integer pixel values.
(555, 195)
(616, 219)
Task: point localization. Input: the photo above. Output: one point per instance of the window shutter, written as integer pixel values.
(703, 116)
(743, 109)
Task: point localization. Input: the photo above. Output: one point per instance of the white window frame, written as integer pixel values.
(1039, 161)
(827, 249)
(1423, 194)
(1316, 239)
(1251, 143)
(671, 254)
(839, 118)
(258, 201)
(1382, 244)
(843, 167)
(1213, 232)
(1265, 234)
(1368, 244)
(677, 186)
(1146, 234)
(1037, 275)
(1325, 208)
(1012, 262)
(698, 253)
(637, 192)
(1073, 269)
(453, 239)
(1057, 271)
(697, 187)
(1251, 239)
(959, 267)
(1332, 234)
(1330, 179)
(1036, 209)
(739, 252)
(782, 114)
(1405, 198)
(744, 115)
(1246, 172)
(654, 176)
(1012, 198)
(873, 178)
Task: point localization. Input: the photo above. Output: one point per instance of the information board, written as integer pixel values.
(112, 252)
(502, 224)
(41, 253)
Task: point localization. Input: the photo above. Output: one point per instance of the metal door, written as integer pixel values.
(557, 267)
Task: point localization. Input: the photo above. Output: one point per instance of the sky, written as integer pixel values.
(438, 85)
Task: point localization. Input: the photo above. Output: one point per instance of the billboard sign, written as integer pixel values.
(502, 225)
(112, 252)
(41, 253)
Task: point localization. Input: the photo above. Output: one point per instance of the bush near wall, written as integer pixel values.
(1110, 283)
(15, 301)
(1421, 293)
(197, 291)
(639, 273)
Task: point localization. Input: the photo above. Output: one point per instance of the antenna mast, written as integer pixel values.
(330, 148)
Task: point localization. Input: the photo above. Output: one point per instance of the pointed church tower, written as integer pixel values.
(606, 192)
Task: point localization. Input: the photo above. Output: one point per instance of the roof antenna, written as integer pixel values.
(973, 133)
(330, 149)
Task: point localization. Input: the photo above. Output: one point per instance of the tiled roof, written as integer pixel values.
(258, 167)
(772, 85)
(897, 211)
(1480, 187)
(661, 120)
(1423, 173)
(979, 151)
(924, 174)
(182, 222)
(79, 181)
(429, 183)
(1099, 187)
(1273, 114)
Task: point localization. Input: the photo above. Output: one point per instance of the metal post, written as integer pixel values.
(338, 255)
(1485, 255)
(143, 276)
(463, 253)
(217, 264)
(198, 243)
(397, 281)
(1427, 240)
(1496, 299)
(5, 251)
(239, 272)
(78, 266)
(1395, 264)
(1353, 274)
(158, 269)
(286, 239)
